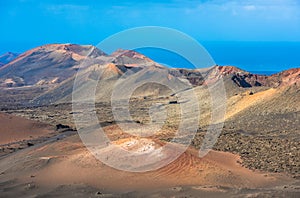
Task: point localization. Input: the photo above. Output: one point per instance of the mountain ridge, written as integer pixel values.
(54, 67)
(7, 57)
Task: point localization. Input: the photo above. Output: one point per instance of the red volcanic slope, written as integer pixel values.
(15, 129)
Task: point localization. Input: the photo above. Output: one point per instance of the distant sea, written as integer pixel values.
(267, 73)
(257, 57)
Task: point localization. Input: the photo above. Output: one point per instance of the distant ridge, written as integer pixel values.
(54, 66)
(267, 73)
(7, 57)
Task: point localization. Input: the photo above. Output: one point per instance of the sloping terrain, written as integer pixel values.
(130, 58)
(49, 64)
(53, 68)
(108, 75)
(14, 129)
(7, 57)
(261, 126)
(53, 165)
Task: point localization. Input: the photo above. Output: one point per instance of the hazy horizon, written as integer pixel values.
(261, 57)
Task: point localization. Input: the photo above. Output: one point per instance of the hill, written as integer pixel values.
(258, 146)
(49, 64)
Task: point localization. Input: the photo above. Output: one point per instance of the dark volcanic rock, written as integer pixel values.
(61, 126)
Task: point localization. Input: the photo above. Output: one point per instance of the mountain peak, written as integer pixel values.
(130, 58)
(48, 62)
(229, 70)
(130, 54)
(287, 77)
(77, 52)
(78, 49)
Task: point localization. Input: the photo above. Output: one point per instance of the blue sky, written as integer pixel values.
(29, 23)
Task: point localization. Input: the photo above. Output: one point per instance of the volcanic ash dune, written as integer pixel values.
(15, 129)
(68, 162)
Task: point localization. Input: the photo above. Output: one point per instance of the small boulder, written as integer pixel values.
(30, 144)
(61, 126)
(173, 102)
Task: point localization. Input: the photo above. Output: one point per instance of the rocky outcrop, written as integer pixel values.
(285, 78)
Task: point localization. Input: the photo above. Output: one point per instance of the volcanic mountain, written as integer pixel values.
(52, 70)
(47, 64)
(261, 125)
(54, 63)
(46, 75)
(129, 58)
